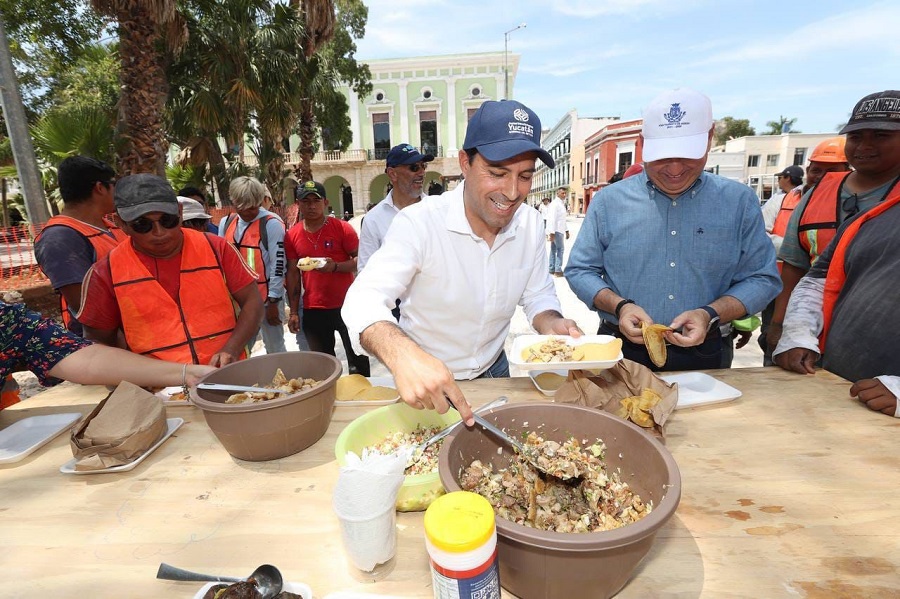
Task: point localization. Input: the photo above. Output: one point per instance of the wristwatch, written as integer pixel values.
(272, 300)
(713, 317)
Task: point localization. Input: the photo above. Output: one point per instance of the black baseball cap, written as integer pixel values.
(876, 111)
(309, 188)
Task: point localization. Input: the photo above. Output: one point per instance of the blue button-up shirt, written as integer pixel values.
(672, 255)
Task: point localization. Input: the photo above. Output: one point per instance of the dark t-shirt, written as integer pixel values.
(862, 341)
(65, 255)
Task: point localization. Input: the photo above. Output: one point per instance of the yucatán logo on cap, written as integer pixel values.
(675, 116)
(522, 126)
(407, 148)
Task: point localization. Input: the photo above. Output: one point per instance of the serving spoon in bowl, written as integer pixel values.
(538, 457)
(267, 577)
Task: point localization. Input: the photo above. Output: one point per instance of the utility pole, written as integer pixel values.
(19, 136)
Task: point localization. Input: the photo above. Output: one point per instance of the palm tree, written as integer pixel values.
(149, 32)
(782, 125)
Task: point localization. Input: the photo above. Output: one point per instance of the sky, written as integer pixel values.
(756, 60)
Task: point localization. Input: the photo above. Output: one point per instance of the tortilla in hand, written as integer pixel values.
(655, 340)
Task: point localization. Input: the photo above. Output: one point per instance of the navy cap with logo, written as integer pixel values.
(876, 111)
(793, 171)
(406, 154)
(309, 188)
(137, 195)
(501, 130)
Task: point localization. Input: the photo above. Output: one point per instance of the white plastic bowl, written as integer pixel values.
(548, 391)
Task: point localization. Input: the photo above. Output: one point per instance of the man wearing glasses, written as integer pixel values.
(406, 171)
(169, 291)
(73, 241)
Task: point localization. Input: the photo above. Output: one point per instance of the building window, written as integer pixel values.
(426, 94)
(476, 91)
(381, 130)
(772, 160)
(799, 156)
(624, 161)
(469, 113)
(428, 131)
(753, 160)
(379, 96)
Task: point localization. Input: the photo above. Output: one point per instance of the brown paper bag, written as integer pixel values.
(119, 430)
(625, 379)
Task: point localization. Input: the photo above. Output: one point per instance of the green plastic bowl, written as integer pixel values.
(417, 491)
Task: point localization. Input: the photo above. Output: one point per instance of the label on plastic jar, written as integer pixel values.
(482, 582)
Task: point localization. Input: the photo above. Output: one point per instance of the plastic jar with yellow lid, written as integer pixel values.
(461, 539)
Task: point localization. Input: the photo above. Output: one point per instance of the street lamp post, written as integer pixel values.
(505, 59)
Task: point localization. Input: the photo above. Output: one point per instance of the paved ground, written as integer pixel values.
(573, 308)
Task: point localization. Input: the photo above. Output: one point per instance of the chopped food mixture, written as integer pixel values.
(551, 350)
(278, 382)
(423, 462)
(596, 500)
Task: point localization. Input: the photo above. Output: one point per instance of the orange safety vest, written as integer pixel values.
(191, 330)
(250, 246)
(101, 242)
(837, 274)
(822, 215)
(788, 203)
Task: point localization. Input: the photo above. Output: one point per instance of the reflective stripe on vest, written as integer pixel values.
(821, 217)
(99, 240)
(250, 246)
(193, 329)
(837, 274)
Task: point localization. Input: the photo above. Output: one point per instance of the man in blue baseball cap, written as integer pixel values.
(460, 263)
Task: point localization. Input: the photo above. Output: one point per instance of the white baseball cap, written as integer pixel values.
(191, 209)
(676, 125)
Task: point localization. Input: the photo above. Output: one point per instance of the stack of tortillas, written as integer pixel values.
(356, 387)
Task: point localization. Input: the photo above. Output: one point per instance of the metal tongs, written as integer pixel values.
(239, 388)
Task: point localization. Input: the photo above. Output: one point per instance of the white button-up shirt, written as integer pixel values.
(457, 294)
(375, 226)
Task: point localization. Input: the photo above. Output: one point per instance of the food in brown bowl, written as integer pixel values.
(278, 427)
(544, 563)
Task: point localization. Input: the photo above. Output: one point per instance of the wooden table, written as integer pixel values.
(790, 491)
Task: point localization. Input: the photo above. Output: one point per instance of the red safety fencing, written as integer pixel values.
(18, 267)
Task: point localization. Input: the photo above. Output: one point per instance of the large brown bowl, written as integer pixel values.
(535, 563)
(276, 428)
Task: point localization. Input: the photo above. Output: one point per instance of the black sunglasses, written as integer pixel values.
(145, 225)
(415, 168)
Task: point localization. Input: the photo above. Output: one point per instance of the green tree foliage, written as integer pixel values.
(46, 38)
(782, 125)
(333, 62)
(731, 128)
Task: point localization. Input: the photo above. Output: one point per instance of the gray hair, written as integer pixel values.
(247, 192)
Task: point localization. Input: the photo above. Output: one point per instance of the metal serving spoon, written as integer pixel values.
(242, 388)
(268, 578)
(415, 451)
(529, 453)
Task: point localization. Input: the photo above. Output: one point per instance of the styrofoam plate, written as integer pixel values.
(166, 393)
(26, 436)
(314, 264)
(377, 381)
(523, 341)
(698, 388)
(172, 425)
